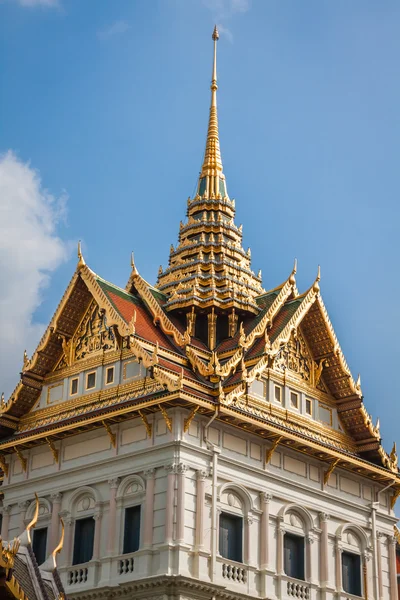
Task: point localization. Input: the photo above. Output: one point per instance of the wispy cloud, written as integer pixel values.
(224, 10)
(116, 28)
(35, 3)
(30, 249)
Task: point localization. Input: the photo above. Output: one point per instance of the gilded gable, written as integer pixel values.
(92, 336)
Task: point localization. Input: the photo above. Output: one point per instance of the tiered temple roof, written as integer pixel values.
(204, 335)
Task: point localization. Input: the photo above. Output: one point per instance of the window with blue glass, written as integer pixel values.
(294, 556)
(231, 537)
(132, 529)
(351, 573)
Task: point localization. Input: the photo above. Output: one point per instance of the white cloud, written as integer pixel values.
(226, 32)
(116, 28)
(34, 3)
(30, 250)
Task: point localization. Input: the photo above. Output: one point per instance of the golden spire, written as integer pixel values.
(212, 164)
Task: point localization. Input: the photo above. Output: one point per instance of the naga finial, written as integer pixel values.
(317, 280)
(292, 278)
(81, 260)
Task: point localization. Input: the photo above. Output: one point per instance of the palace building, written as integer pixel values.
(201, 439)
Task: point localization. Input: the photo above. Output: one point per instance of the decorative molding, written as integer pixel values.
(149, 473)
(330, 470)
(111, 435)
(53, 450)
(167, 419)
(187, 422)
(21, 458)
(271, 450)
(148, 426)
(114, 483)
(4, 465)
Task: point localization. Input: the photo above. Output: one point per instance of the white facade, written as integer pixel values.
(183, 485)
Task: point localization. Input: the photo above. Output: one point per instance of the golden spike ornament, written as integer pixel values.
(60, 544)
(81, 260)
(35, 517)
(212, 164)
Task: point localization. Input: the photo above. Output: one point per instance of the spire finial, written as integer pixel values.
(81, 260)
(211, 172)
(318, 279)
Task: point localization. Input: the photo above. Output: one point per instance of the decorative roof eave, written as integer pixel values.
(288, 288)
(356, 389)
(160, 394)
(29, 365)
(214, 366)
(236, 404)
(159, 316)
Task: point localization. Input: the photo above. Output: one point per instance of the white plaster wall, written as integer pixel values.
(291, 478)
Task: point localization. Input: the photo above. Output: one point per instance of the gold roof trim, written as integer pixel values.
(288, 288)
(159, 315)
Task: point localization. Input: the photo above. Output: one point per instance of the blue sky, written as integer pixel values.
(108, 103)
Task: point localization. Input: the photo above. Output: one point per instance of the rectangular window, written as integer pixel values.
(278, 393)
(325, 414)
(132, 529)
(55, 393)
(230, 537)
(133, 370)
(110, 375)
(294, 556)
(258, 388)
(83, 542)
(39, 544)
(91, 380)
(351, 570)
(308, 406)
(294, 400)
(74, 387)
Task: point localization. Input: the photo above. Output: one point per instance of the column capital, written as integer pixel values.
(266, 497)
(170, 468)
(249, 519)
(5, 510)
(201, 475)
(367, 554)
(114, 483)
(324, 517)
(56, 497)
(392, 541)
(97, 516)
(310, 538)
(149, 473)
(182, 468)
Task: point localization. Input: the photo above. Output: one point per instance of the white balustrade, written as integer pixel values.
(126, 565)
(298, 590)
(234, 573)
(76, 576)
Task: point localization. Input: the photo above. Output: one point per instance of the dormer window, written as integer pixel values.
(73, 386)
(91, 380)
(278, 394)
(109, 375)
(294, 400)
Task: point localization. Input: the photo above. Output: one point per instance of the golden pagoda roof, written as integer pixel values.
(209, 268)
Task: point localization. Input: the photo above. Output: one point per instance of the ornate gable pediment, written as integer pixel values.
(92, 337)
(295, 357)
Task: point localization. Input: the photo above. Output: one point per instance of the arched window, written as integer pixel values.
(130, 499)
(40, 532)
(234, 522)
(351, 563)
(83, 508)
(293, 546)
